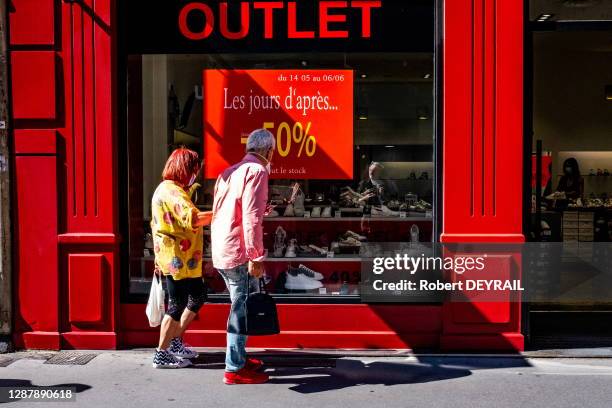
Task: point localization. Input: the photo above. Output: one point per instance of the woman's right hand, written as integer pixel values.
(202, 218)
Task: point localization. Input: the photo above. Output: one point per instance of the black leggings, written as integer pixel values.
(187, 293)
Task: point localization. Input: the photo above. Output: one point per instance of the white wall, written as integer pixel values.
(154, 123)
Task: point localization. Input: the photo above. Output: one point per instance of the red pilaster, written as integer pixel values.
(482, 155)
(89, 242)
(63, 88)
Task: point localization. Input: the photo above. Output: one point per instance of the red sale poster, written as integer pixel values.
(310, 112)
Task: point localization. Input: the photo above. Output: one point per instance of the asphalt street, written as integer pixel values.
(126, 379)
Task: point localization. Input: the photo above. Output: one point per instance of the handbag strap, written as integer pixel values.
(262, 285)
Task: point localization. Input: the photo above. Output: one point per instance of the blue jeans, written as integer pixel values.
(237, 281)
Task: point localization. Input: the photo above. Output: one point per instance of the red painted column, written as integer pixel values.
(33, 68)
(482, 156)
(89, 256)
(63, 94)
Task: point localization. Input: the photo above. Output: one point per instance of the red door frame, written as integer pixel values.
(64, 101)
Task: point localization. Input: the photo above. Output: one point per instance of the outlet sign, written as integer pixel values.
(235, 26)
(198, 20)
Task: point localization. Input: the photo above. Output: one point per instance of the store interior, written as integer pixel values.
(572, 121)
(320, 229)
(570, 81)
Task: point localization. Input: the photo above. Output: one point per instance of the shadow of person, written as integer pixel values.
(18, 383)
(351, 373)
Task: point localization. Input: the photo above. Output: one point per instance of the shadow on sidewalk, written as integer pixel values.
(351, 373)
(319, 373)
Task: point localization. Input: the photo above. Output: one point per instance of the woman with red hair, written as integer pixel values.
(176, 224)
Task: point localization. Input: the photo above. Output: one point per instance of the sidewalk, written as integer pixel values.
(125, 378)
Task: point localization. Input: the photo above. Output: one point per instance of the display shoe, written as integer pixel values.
(289, 211)
(327, 212)
(394, 205)
(279, 241)
(384, 211)
(291, 249)
(304, 251)
(245, 376)
(316, 212)
(606, 172)
(424, 204)
(299, 281)
(318, 249)
(298, 205)
(148, 241)
(272, 213)
(349, 241)
(163, 359)
(376, 211)
(557, 195)
(180, 350)
(424, 176)
(412, 176)
(309, 272)
(414, 233)
(304, 271)
(355, 235)
(295, 191)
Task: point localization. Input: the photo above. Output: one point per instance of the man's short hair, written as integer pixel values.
(260, 140)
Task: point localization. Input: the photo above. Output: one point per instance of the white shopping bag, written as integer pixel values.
(155, 305)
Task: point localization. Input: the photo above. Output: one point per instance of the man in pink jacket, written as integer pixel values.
(241, 194)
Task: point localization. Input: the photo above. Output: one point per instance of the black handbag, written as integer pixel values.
(261, 316)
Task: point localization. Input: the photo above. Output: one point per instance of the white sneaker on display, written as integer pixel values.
(310, 272)
(301, 282)
(316, 212)
(327, 212)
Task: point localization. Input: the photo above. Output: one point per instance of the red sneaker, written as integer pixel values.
(253, 364)
(245, 376)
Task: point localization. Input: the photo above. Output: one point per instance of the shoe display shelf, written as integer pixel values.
(420, 217)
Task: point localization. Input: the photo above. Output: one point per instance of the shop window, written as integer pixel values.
(572, 190)
(314, 245)
(362, 174)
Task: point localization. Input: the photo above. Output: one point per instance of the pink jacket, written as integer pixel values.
(241, 193)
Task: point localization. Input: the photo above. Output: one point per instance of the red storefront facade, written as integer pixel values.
(66, 184)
